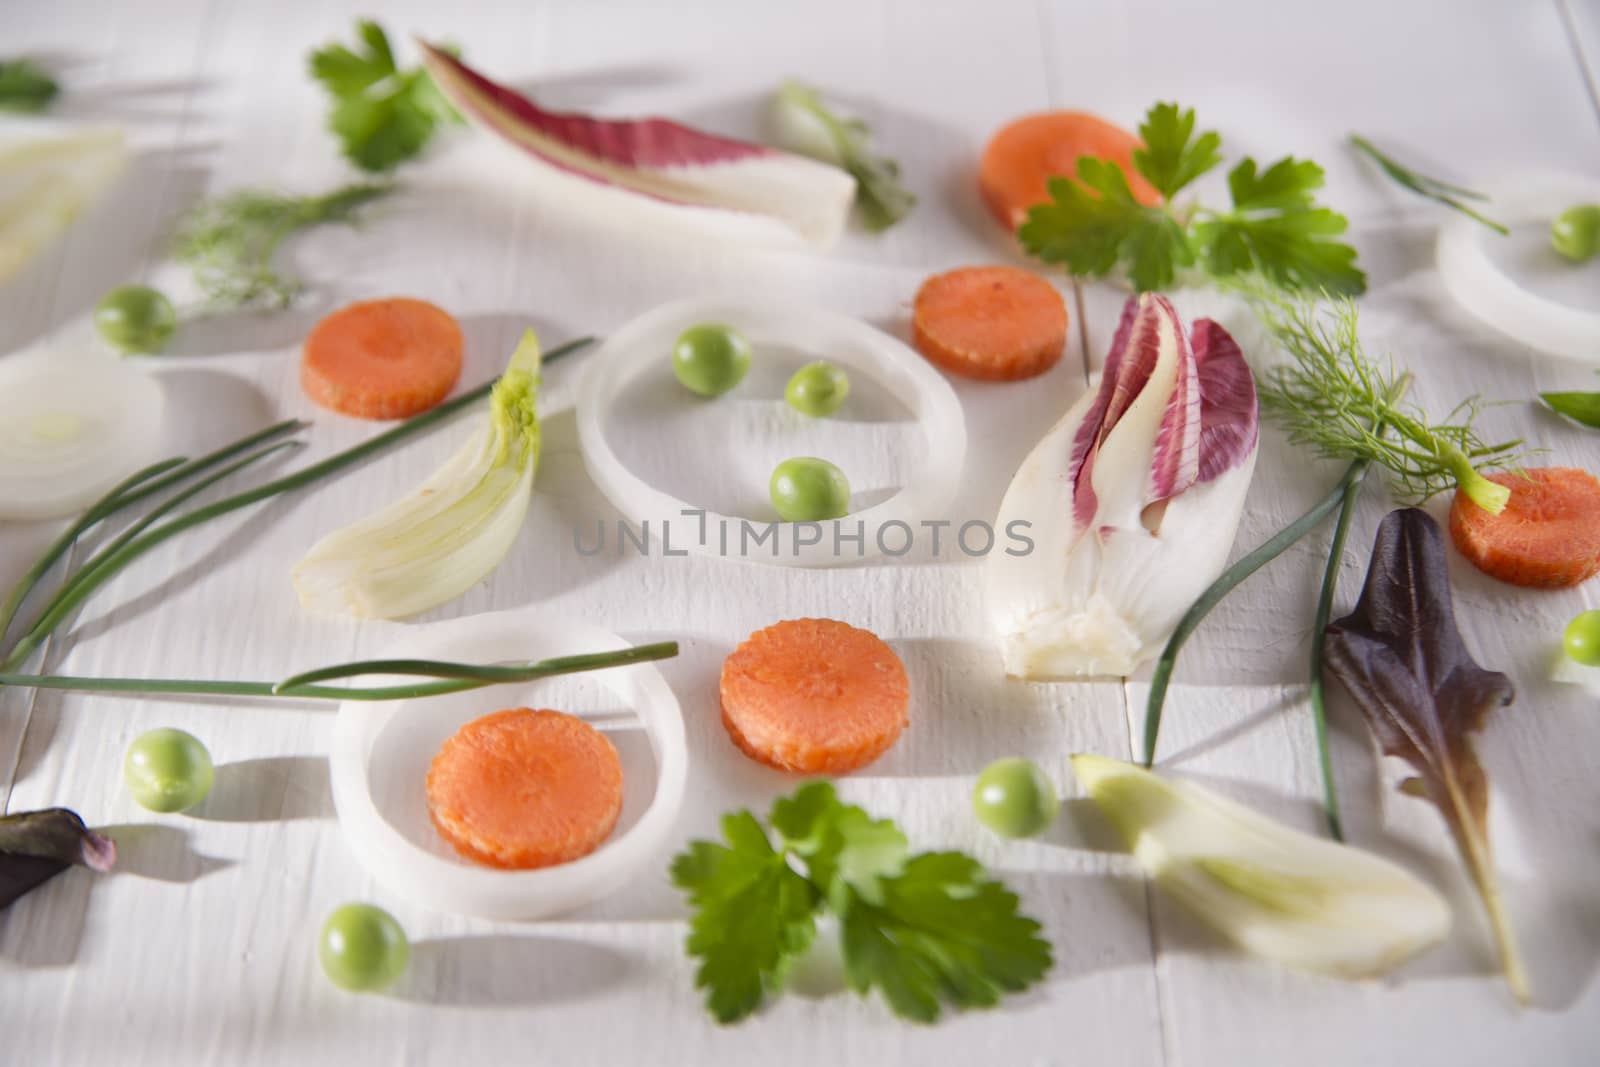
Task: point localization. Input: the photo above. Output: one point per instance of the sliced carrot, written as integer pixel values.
(1548, 536)
(523, 788)
(1020, 160)
(814, 696)
(382, 359)
(992, 323)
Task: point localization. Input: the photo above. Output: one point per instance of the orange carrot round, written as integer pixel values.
(382, 359)
(1022, 157)
(991, 323)
(814, 696)
(1548, 536)
(521, 788)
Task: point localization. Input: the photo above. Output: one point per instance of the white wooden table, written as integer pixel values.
(201, 948)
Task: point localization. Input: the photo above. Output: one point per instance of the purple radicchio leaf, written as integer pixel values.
(1401, 657)
(1230, 421)
(35, 846)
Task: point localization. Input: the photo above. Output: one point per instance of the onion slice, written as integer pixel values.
(381, 755)
(647, 341)
(71, 427)
(1482, 288)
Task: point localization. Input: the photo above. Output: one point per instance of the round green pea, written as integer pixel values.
(807, 489)
(710, 359)
(363, 948)
(817, 389)
(136, 318)
(1576, 232)
(1014, 798)
(168, 770)
(1582, 639)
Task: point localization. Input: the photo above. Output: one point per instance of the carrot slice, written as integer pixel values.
(1548, 536)
(1022, 157)
(991, 323)
(815, 696)
(522, 788)
(382, 359)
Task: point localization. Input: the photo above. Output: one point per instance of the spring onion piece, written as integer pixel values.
(746, 190)
(380, 759)
(1486, 291)
(441, 540)
(807, 125)
(49, 172)
(72, 425)
(1134, 498)
(1276, 892)
(638, 347)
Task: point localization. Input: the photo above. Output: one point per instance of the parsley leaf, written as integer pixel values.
(1167, 159)
(753, 915)
(942, 930)
(1094, 226)
(382, 115)
(923, 930)
(25, 86)
(1094, 223)
(1277, 228)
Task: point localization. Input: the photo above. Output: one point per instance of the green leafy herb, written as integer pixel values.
(1275, 228)
(25, 86)
(230, 242)
(1450, 196)
(382, 115)
(811, 128)
(922, 930)
(1579, 407)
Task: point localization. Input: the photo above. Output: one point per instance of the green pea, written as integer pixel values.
(817, 389)
(168, 770)
(1582, 639)
(807, 489)
(1576, 232)
(136, 318)
(1014, 798)
(363, 948)
(710, 359)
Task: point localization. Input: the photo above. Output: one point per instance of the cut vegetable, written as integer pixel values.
(1133, 499)
(72, 425)
(991, 323)
(637, 348)
(35, 846)
(806, 125)
(1281, 894)
(382, 753)
(48, 174)
(522, 789)
(452, 531)
(765, 194)
(1020, 160)
(1548, 536)
(382, 359)
(814, 696)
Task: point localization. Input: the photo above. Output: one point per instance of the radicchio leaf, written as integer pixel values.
(1401, 657)
(1230, 422)
(36, 846)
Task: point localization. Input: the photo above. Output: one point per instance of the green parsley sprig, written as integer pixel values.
(1275, 227)
(25, 86)
(921, 929)
(381, 114)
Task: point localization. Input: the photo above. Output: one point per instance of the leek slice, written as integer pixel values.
(1303, 901)
(450, 532)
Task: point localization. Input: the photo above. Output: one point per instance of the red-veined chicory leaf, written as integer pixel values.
(35, 846)
(1132, 500)
(775, 194)
(1401, 657)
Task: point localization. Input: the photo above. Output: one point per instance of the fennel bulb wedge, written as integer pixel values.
(1131, 501)
(48, 173)
(1300, 900)
(451, 531)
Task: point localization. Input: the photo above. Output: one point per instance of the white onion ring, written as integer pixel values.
(71, 427)
(435, 877)
(1486, 291)
(648, 340)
